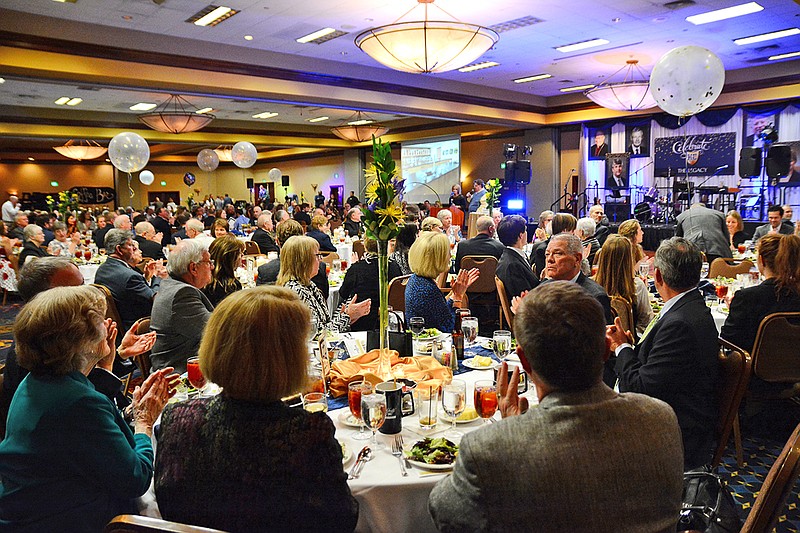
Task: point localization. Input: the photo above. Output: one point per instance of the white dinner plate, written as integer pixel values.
(445, 418)
(469, 363)
(426, 466)
(347, 418)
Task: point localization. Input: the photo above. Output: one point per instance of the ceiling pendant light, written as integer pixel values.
(80, 150)
(626, 95)
(423, 46)
(176, 115)
(359, 128)
(224, 152)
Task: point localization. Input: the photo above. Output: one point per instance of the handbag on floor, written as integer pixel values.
(707, 504)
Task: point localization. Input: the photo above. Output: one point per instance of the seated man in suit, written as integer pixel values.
(481, 244)
(268, 272)
(513, 268)
(583, 443)
(560, 223)
(133, 292)
(261, 235)
(181, 310)
(149, 241)
(585, 230)
(775, 224)
(676, 358)
(602, 230)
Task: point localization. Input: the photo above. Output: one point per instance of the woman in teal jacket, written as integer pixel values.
(69, 461)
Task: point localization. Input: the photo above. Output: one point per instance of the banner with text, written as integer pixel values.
(696, 155)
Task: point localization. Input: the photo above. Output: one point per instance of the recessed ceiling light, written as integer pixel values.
(204, 110)
(362, 122)
(578, 88)
(316, 35)
(318, 119)
(142, 106)
(265, 114)
(248, 37)
(581, 45)
(65, 1)
(211, 15)
(31, 159)
(767, 36)
(727, 13)
(784, 56)
(533, 78)
(478, 66)
(63, 100)
(75, 101)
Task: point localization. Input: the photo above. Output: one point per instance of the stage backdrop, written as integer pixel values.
(695, 155)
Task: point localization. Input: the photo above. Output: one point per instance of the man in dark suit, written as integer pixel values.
(180, 222)
(133, 292)
(599, 149)
(513, 268)
(148, 240)
(775, 224)
(268, 272)
(104, 225)
(481, 244)
(707, 229)
(162, 225)
(261, 236)
(675, 360)
(637, 148)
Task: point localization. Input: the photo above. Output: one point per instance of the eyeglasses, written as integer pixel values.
(209, 261)
(320, 256)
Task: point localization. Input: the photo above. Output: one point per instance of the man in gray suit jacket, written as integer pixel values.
(180, 311)
(707, 229)
(586, 459)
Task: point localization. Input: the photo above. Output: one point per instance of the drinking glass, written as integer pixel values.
(485, 399)
(704, 270)
(501, 343)
(196, 378)
(469, 325)
(454, 401)
(314, 402)
(416, 324)
(344, 263)
(644, 270)
(427, 404)
(312, 332)
(356, 391)
(87, 254)
(373, 412)
(722, 291)
(337, 266)
(741, 249)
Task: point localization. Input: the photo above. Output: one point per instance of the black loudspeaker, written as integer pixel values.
(617, 212)
(778, 160)
(750, 162)
(249, 183)
(285, 180)
(518, 172)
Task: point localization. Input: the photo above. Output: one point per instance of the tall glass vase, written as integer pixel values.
(384, 365)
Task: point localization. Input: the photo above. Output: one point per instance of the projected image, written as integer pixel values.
(430, 168)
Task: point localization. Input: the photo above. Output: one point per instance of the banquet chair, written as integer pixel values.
(487, 264)
(251, 248)
(111, 306)
(335, 224)
(777, 486)
(722, 267)
(505, 305)
(623, 309)
(143, 359)
(358, 248)
(775, 357)
(483, 293)
(735, 365)
(329, 257)
(397, 293)
(127, 523)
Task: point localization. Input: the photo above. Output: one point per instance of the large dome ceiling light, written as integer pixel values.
(176, 115)
(630, 94)
(359, 128)
(80, 150)
(423, 46)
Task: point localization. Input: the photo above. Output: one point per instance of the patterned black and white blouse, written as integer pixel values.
(312, 296)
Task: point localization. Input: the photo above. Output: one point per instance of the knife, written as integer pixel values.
(363, 456)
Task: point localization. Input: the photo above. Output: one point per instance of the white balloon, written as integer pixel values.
(274, 174)
(687, 80)
(128, 152)
(207, 160)
(244, 154)
(146, 177)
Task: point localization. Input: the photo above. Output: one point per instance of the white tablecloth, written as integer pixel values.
(344, 250)
(88, 272)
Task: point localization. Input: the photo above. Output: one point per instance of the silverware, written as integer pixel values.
(363, 456)
(397, 451)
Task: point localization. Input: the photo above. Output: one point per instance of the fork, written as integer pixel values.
(397, 451)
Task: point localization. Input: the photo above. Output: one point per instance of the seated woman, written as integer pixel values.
(319, 231)
(615, 275)
(735, 228)
(362, 279)
(69, 462)
(431, 224)
(406, 237)
(72, 224)
(632, 230)
(8, 261)
(220, 228)
(61, 245)
(453, 232)
(226, 252)
(299, 262)
(779, 262)
(34, 238)
(430, 256)
(285, 472)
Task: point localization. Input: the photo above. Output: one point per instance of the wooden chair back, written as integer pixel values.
(735, 364)
(111, 306)
(775, 355)
(487, 264)
(505, 305)
(623, 309)
(397, 293)
(358, 248)
(251, 248)
(726, 268)
(780, 480)
(329, 257)
(126, 523)
(335, 224)
(143, 359)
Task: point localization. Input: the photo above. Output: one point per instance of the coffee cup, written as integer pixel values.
(393, 390)
(522, 386)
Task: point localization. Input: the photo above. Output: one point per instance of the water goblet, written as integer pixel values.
(373, 412)
(356, 391)
(501, 343)
(485, 399)
(454, 401)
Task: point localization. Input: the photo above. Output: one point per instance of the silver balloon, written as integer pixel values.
(244, 154)
(274, 174)
(207, 160)
(687, 80)
(146, 177)
(128, 152)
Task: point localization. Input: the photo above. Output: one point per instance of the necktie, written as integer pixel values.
(636, 150)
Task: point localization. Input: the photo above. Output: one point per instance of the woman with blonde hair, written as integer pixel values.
(299, 263)
(632, 230)
(243, 460)
(615, 274)
(226, 252)
(428, 257)
(735, 228)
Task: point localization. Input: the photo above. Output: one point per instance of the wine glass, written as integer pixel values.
(373, 413)
(355, 391)
(416, 324)
(195, 376)
(314, 402)
(454, 401)
(485, 399)
(722, 291)
(469, 325)
(644, 269)
(501, 343)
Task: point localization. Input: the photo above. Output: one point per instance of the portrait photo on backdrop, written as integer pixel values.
(600, 143)
(755, 124)
(617, 167)
(637, 140)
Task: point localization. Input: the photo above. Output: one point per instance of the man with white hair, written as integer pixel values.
(18, 226)
(123, 222)
(585, 231)
(149, 241)
(602, 230)
(481, 244)
(10, 210)
(261, 235)
(181, 310)
(195, 230)
(497, 216)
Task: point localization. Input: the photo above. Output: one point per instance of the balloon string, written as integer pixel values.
(130, 189)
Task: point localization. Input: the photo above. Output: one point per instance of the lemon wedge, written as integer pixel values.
(480, 360)
(469, 414)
